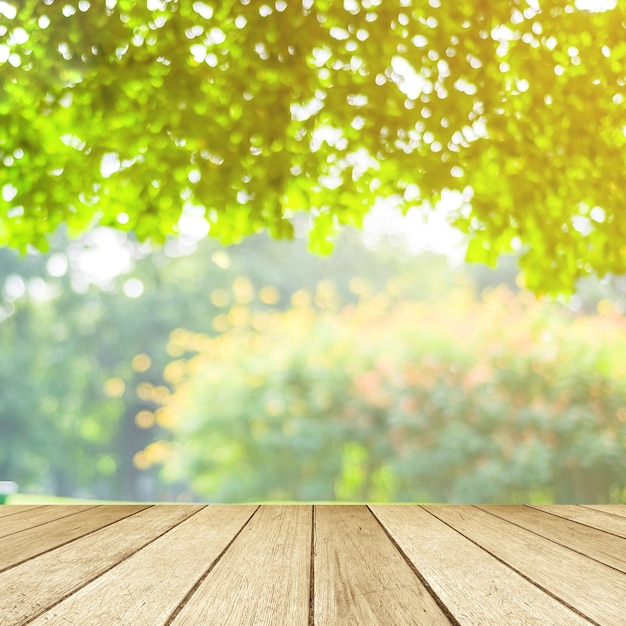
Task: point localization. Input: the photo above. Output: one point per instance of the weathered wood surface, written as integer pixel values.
(322, 565)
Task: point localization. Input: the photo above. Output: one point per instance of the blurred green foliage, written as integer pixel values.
(80, 358)
(391, 399)
(260, 372)
(121, 112)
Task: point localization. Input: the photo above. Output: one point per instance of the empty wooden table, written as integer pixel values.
(302, 564)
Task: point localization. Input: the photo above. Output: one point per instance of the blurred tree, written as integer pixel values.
(120, 112)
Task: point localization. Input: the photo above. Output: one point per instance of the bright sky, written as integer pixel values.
(421, 229)
(105, 253)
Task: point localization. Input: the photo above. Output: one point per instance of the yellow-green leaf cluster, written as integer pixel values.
(122, 112)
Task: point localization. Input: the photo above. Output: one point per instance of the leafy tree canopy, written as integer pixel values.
(123, 112)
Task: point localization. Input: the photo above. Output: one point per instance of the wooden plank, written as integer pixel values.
(613, 509)
(361, 578)
(37, 517)
(12, 509)
(475, 587)
(148, 586)
(601, 520)
(31, 588)
(595, 590)
(263, 577)
(596, 544)
(33, 541)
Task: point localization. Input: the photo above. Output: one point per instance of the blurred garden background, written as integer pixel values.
(260, 372)
(172, 174)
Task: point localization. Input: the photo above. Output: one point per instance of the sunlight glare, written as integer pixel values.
(8, 10)
(104, 255)
(595, 6)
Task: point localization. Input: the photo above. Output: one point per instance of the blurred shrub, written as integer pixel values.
(506, 400)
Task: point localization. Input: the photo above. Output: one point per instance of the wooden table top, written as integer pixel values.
(302, 564)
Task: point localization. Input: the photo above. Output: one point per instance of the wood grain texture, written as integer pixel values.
(21, 546)
(263, 577)
(593, 518)
(313, 566)
(148, 587)
(31, 518)
(360, 577)
(596, 544)
(477, 589)
(593, 589)
(36, 585)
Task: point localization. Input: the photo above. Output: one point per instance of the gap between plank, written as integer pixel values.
(593, 508)
(200, 580)
(20, 511)
(87, 582)
(35, 556)
(54, 519)
(554, 541)
(559, 517)
(524, 576)
(418, 574)
(312, 572)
